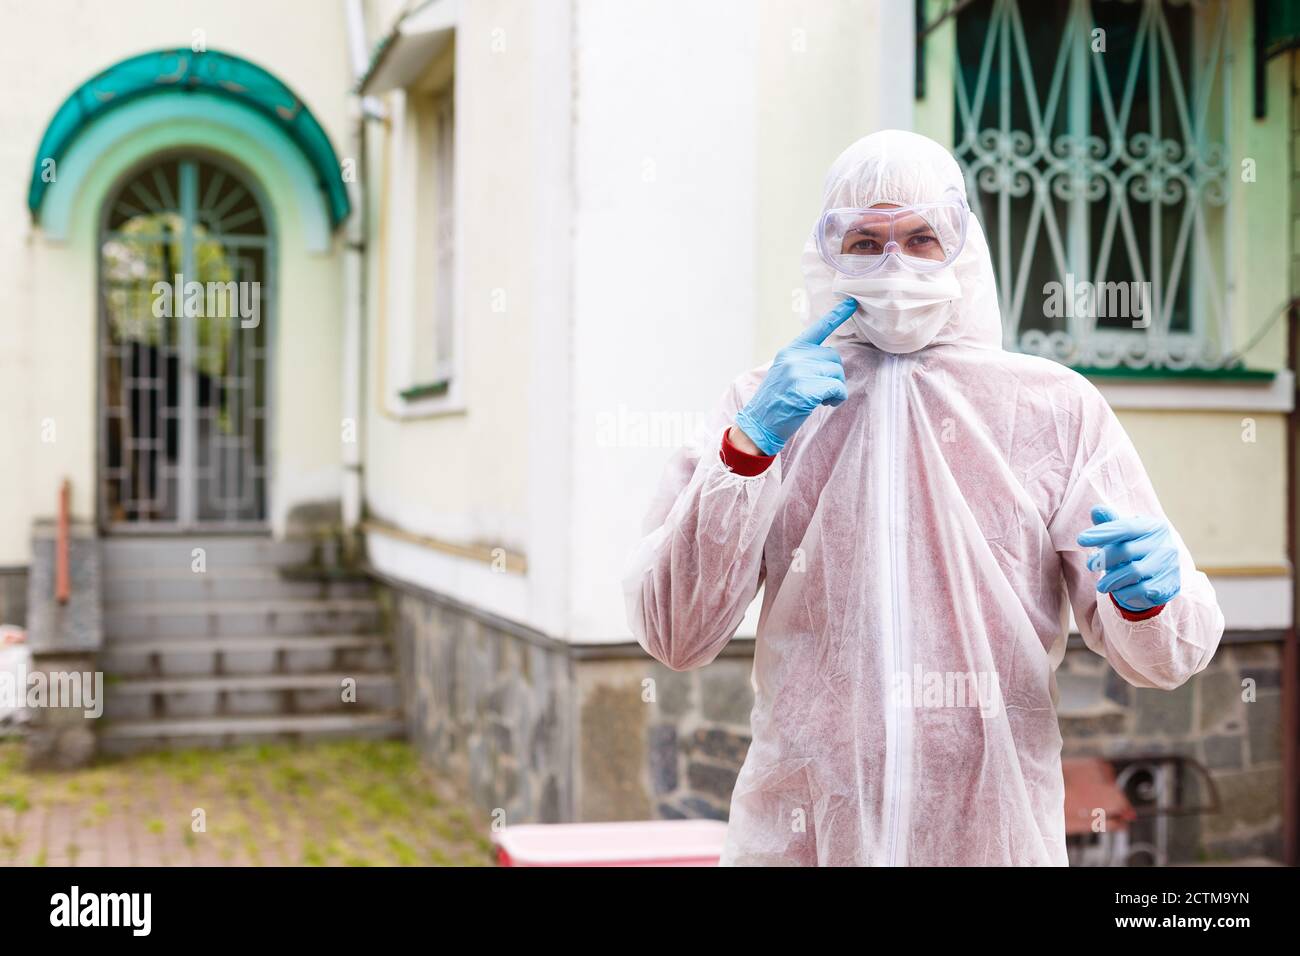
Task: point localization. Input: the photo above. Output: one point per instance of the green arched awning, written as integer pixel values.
(183, 70)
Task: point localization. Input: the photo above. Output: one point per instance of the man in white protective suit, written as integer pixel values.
(919, 505)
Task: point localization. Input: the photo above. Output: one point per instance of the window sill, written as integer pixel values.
(1236, 390)
(1238, 375)
(431, 400)
(417, 393)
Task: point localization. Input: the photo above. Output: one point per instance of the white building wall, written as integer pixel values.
(666, 175)
(703, 137)
(664, 280)
(652, 160)
(462, 474)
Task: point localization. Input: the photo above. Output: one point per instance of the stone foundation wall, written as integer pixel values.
(661, 743)
(654, 742)
(488, 702)
(1228, 718)
(548, 732)
(13, 596)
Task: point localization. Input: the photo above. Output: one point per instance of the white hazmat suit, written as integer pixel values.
(917, 549)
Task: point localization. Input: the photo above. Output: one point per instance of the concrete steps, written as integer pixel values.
(125, 737)
(258, 654)
(248, 695)
(133, 621)
(214, 551)
(245, 644)
(248, 583)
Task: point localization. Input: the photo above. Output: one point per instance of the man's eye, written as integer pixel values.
(920, 241)
(861, 247)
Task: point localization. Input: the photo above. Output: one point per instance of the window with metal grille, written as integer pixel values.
(1093, 134)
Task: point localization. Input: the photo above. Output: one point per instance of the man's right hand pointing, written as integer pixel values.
(803, 375)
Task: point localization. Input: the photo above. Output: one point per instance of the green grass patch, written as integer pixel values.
(340, 803)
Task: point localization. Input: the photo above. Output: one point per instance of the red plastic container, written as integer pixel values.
(636, 843)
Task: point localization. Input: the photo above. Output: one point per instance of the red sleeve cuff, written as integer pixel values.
(743, 463)
(1136, 615)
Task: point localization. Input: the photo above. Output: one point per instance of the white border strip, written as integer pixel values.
(1277, 395)
(1254, 603)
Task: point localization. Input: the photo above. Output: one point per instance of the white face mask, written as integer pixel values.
(901, 311)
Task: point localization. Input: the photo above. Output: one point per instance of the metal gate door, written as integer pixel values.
(184, 307)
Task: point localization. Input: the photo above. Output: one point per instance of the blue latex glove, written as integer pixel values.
(1140, 559)
(803, 375)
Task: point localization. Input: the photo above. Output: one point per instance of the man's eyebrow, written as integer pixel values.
(866, 227)
(871, 228)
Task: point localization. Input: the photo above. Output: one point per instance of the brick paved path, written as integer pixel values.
(348, 804)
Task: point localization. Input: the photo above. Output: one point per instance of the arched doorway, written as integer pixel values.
(185, 261)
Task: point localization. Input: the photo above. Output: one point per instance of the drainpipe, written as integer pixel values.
(1290, 654)
(354, 287)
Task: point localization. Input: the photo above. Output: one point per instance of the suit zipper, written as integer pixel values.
(893, 529)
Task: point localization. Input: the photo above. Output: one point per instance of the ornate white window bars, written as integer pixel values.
(1093, 138)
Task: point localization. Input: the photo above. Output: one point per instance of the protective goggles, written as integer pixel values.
(923, 237)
